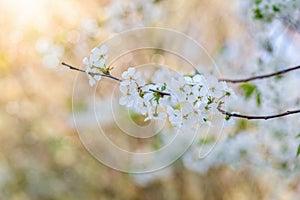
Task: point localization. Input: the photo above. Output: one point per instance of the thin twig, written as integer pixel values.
(265, 117)
(92, 73)
(260, 76)
(160, 92)
(110, 76)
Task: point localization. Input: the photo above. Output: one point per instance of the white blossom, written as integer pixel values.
(97, 58)
(198, 95)
(179, 88)
(216, 88)
(197, 79)
(92, 78)
(95, 63)
(174, 116)
(129, 88)
(189, 103)
(163, 75)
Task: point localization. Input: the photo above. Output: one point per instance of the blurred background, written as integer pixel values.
(41, 156)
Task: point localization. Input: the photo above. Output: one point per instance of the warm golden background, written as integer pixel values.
(41, 156)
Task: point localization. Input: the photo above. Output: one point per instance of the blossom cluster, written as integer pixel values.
(186, 100)
(95, 63)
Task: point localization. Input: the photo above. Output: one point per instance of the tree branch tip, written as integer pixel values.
(65, 64)
(259, 76)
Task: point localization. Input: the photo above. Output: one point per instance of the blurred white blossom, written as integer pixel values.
(95, 63)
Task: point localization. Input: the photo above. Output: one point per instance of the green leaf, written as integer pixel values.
(257, 2)
(298, 136)
(164, 87)
(197, 72)
(298, 150)
(258, 14)
(248, 89)
(258, 98)
(278, 77)
(210, 100)
(276, 9)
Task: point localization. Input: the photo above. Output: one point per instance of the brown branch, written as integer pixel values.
(260, 76)
(92, 73)
(249, 117)
(160, 92)
(110, 76)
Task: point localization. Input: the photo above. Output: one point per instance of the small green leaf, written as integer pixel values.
(298, 136)
(276, 9)
(210, 100)
(197, 72)
(258, 14)
(278, 77)
(298, 150)
(258, 98)
(248, 88)
(257, 2)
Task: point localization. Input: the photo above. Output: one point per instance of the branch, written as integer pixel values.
(160, 92)
(265, 117)
(110, 76)
(260, 76)
(92, 73)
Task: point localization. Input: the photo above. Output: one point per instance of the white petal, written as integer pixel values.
(131, 71)
(96, 51)
(123, 100)
(98, 78)
(99, 63)
(125, 75)
(94, 58)
(188, 80)
(198, 78)
(125, 82)
(103, 49)
(92, 81)
(123, 89)
(86, 61)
